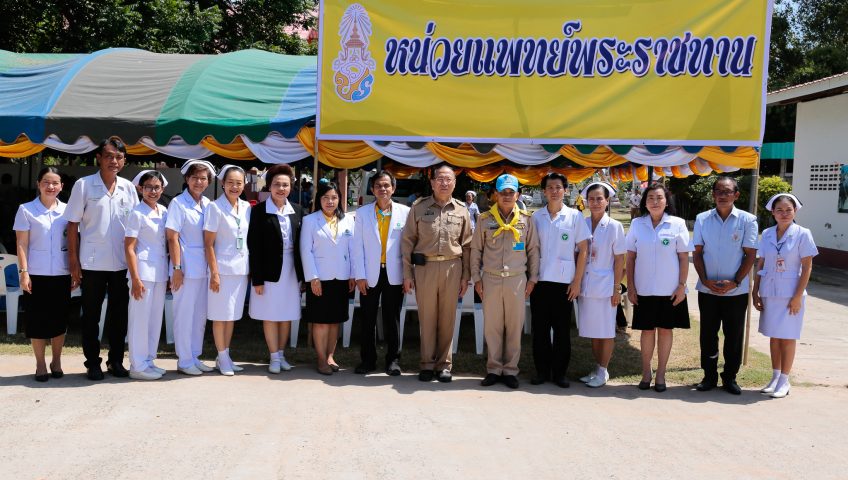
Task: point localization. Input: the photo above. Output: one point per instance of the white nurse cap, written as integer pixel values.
(137, 180)
(606, 185)
(774, 198)
(188, 164)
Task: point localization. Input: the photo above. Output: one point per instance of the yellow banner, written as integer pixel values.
(675, 72)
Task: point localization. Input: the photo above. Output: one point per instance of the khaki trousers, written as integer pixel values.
(437, 293)
(503, 317)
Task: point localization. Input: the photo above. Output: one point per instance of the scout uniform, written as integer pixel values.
(442, 235)
(504, 255)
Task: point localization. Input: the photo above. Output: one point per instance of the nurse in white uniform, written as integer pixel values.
(147, 262)
(657, 265)
(783, 271)
(225, 240)
(184, 231)
(275, 269)
(43, 267)
(601, 292)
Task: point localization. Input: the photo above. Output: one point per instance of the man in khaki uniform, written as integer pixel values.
(438, 235)
(505, 268)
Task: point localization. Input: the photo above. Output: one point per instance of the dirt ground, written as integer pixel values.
(301, 425)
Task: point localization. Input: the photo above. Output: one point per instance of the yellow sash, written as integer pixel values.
(502, 226)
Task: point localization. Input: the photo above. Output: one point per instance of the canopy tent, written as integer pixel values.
(253, 104)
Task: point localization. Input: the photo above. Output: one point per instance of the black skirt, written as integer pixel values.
(658, 312)
(331, 306)
(47, 306)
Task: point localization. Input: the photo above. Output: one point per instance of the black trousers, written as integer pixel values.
(392, 297)
(551, 309)
(95, 285)
(729, 314)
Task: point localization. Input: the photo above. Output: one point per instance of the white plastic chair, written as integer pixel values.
(169, 318)
(409, 303)
(467, 305)
(348, 325)
(12, 294)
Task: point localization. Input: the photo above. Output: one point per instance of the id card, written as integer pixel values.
(780, 264)
(518, 246)
(239, 243)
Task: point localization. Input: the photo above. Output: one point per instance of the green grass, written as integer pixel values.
(249, 346)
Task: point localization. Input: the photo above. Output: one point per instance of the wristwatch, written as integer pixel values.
(22, 270)
(178, 267)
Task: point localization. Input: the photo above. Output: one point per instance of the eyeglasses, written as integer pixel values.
(724, 193)
(152, 188)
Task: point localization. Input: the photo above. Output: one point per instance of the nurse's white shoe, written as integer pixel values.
(274, 366)
(148, 374)
(588, 378)
(769, 389)
(202, 366)
(160, 371)
(225, 367)
(236, 368)
(192, 370)
(781, 391)
(598, 380)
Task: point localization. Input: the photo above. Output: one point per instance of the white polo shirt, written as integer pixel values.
(185, 216)
(657, 268)
(558, 238)
(102, 221)
(723, 241)
(231, 234)
(48, 245)
(148, 227)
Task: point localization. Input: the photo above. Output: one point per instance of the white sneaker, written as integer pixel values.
(284, 365)
(236, 368)
(781, 391)
(148, 374)
(274, 366)
(160, 371)
(225, 367)
(589, 377)
(192, 370)
(598, 381)
(202, 366)
(769, 389)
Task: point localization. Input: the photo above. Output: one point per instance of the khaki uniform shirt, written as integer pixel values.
(433, 230)
(499, 254)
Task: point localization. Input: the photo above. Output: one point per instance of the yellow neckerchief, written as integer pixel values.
(333, 223)
(503, 227)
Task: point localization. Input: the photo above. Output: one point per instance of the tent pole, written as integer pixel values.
(314, 167)
(752, 207)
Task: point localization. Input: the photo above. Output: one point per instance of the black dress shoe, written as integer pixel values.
(490, 380)
(117, 370)
(363, 369)
(731, 387)
(562, 382)
(645, 385)
(445, 376)
(425, 375)
(705, 385)
(42, 378)
(94, 373)
(58, 373)
(660, 387)
(510, 381)
(538, 380)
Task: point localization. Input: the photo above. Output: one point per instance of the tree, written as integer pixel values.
(261, 24)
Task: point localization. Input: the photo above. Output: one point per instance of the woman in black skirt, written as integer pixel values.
(657, 266)
(325, 245)
(43, 266)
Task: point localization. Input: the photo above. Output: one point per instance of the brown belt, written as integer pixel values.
(441, 258)
(503, 273)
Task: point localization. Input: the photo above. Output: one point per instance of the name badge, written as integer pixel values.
(518, 246)
(348, 233)
(780, 264)
(239, 243)
(399, 226)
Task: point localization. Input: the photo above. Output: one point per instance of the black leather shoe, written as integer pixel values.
(705, 385)
(94, 373)
(660, 387)
(425, 375)
(117, 370)
(362, 369)
(538, 380)
(490, 380)
(510, 381)
(731, 387)
(42, 378)
(445, 376)
(562, 382)
(56, 373)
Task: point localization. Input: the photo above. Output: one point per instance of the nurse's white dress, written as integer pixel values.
(280, 301)
(227, 304)
(778, 280)
(595, 314)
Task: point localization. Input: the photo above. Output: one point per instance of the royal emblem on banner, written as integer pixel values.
(354, 67)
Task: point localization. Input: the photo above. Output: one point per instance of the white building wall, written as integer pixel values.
(821, 138)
